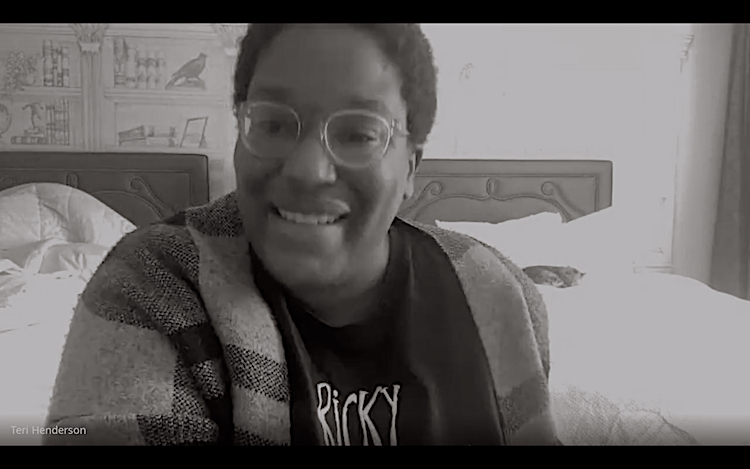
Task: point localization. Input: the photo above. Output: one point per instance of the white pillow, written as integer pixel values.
(28, 257)
(596, 243)
(78, 257)
(36, 212)
(20, 223)
(529, 223)
(524, 240)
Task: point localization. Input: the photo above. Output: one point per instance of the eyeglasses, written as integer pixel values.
(354, 138)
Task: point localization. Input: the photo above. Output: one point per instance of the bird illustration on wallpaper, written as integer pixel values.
(188, 76)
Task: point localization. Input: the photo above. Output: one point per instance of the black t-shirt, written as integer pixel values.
(415, 373)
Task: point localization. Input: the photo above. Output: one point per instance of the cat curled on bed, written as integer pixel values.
(560, 277)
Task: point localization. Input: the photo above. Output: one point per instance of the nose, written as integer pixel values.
(309, 163)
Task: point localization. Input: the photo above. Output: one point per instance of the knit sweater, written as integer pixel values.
(172, 344)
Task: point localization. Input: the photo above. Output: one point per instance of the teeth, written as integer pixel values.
(307, 219)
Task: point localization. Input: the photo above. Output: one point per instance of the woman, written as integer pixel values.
(299, 309)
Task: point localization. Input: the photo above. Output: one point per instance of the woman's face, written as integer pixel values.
(317, 70)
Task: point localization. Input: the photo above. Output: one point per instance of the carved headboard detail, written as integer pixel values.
(498, 190)
(143, 187)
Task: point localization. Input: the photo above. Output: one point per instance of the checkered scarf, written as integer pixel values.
(172, 344)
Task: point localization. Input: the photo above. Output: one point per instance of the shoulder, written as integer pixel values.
(156, 269)
(172, 240)
(166, 243)
(165, 251)
(489, 278)
(467, 252)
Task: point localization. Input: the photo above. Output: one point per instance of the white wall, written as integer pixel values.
(558, 91)
(705, 87)
(568, 91)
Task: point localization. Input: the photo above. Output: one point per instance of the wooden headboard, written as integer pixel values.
(494, 191)
(147, 187)
(142, 187)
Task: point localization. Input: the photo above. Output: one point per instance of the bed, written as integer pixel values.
(60, 213)
(636, 358)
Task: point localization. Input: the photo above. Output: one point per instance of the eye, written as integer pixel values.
(359, 137)
(270, 126)
(357, 131)
(273, 128)
(271, 121)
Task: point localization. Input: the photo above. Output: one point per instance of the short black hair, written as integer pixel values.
(403, 43)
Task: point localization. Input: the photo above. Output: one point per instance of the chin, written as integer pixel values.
(296, 270)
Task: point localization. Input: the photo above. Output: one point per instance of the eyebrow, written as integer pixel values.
(277, 93)
(270, 92)
(369, 104)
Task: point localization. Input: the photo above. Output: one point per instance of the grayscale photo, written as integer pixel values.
(539, 239)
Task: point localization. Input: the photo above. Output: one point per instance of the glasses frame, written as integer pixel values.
(395, 127)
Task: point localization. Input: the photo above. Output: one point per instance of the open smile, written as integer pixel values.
(312, 219)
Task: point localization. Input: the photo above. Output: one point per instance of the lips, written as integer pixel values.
(308, 219)
(326, 213)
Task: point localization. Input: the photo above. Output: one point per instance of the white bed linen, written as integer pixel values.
(649, 359)
(52, 239)
(34, 318)
(636, 358)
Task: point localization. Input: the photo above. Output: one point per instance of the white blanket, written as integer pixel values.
(36, 305)
(34, 321)
(649, 359)
(52, 239)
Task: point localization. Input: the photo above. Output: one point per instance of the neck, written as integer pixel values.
(354, 300)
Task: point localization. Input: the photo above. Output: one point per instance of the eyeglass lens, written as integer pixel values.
(272, 131)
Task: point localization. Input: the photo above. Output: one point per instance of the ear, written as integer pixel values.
(412, 171)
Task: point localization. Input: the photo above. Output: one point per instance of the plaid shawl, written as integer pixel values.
(172, 344)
